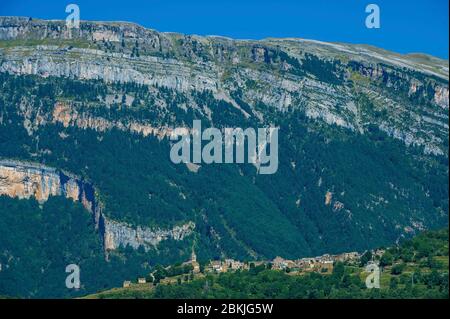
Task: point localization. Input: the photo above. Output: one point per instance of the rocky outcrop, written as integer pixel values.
(26, 180)
(120, 68)
(328, 198)
(409, 91)
(441, 96)
(23, 180)
(116, 234)
(66, 115)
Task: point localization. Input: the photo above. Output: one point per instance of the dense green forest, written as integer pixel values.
(417, 268)
(379, 187)
(381, 190)
(362, 163)
(37, 242)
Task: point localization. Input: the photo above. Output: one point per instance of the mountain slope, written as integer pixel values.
(408, 95)
(417, 268)
(363, 143)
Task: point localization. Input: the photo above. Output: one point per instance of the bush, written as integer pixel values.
(398, 269)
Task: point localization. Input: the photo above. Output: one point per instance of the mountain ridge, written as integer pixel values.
(279, 77)
(363, 143)
(359, 48)
(264, 39)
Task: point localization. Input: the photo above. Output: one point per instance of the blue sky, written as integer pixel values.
(406, 26)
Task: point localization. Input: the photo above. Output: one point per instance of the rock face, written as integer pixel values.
(281, 73)
(122, 78)
(68, 116)
(26, 180)
(38, 182)
(116, 234)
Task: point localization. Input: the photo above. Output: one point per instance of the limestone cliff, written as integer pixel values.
(117, 234)
(68, 116)
(281, 73)
(25, 180)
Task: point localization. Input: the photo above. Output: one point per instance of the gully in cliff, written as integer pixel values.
(232, 143)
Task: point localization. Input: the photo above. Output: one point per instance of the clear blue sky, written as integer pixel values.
(406, 26)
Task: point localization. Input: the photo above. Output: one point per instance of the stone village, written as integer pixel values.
(321, 264)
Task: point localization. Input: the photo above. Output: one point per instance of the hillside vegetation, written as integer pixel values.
(417, 268)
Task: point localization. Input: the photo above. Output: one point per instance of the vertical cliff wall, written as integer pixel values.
(26, 180)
